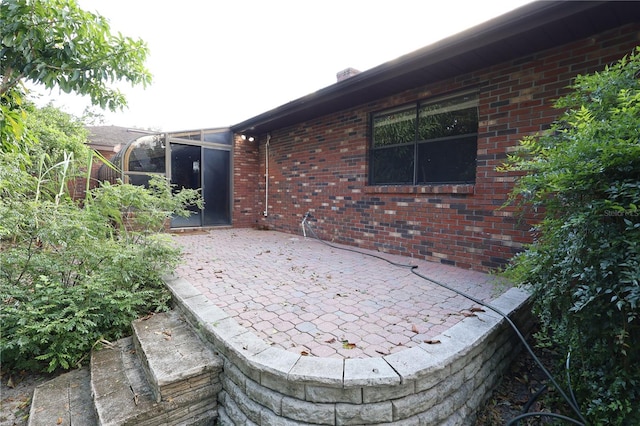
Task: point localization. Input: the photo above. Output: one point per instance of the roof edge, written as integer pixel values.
(503, 27)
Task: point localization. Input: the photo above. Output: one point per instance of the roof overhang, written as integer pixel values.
(531, 28)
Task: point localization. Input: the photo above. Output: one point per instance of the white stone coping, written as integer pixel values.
(272, 365)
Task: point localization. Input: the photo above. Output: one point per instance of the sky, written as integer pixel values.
(216, 63)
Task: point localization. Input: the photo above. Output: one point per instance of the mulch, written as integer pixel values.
(516, 392)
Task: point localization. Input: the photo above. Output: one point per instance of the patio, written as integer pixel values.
(310, 298)
(316, 333)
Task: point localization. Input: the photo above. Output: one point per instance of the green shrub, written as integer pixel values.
(71, 275)
(584, 266)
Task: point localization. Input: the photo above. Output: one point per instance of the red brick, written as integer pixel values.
(322, 166)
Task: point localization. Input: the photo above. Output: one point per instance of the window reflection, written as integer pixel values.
(147, 154)
(429, 143)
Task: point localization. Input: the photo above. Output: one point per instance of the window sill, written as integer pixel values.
(420, 189)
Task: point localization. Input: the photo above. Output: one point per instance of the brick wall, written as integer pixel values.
(321, 166)
(248, 179)
(78, 186)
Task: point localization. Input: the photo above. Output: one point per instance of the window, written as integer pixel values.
(426, 143)
(147, 154)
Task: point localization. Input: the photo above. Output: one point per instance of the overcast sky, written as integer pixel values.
(216, 63)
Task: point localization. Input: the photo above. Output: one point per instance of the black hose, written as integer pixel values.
(516, 419)
(570, 401)
(533, 399)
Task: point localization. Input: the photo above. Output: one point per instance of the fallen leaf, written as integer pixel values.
(414, 329)
(304, 353)
(469, 314)
(107, 343)
(25, 403)
(332, 340)
(10, 383)
(59, 421)
(347, 345)
(477, 310)
(432, 342)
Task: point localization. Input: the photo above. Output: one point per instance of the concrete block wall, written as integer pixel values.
(321, 166)
(433, 384)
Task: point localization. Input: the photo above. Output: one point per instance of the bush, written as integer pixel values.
(72, 275)
(584, 266)
(69, 275)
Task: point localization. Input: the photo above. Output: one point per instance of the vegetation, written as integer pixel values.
(584, 266)
(71, 276)
(59, 45)
(72, 272)
(56, 44)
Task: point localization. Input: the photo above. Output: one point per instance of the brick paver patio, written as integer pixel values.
(300, 294)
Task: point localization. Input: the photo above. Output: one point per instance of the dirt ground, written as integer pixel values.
(514, 391)
(16, 390)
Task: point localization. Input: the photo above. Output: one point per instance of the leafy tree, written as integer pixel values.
(584, 266)
(56, 44)
(57, 133)
(13, 134)
(71, 274)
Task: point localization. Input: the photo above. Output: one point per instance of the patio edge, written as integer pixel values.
(433, 383)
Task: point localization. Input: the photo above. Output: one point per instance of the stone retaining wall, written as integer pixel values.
(431, 384)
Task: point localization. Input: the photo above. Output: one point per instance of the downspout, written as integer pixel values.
(266, 176)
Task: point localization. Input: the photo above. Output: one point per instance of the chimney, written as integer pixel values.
(346, 73)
